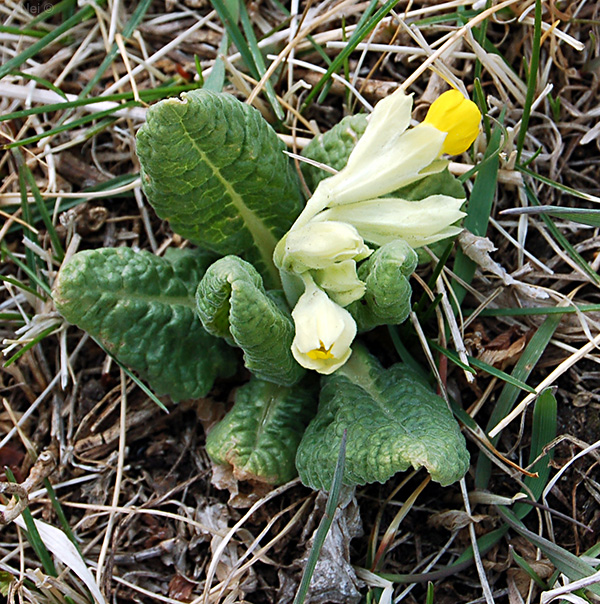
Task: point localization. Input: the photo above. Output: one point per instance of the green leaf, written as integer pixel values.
(332, 148)
(387, 297)
(260, 435)
(393, 421)
(438, 183)
(216, 170)
(233, 304)
(141, 308)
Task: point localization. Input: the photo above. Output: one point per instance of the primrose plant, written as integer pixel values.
(286, 285)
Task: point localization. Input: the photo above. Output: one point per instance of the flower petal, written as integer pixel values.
(395, 166)
(341, 282)
(416, 222)
(389, 120)
(451, 112)
(324, 331)
(319, 245)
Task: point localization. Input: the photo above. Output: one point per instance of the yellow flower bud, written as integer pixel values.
(459, 117)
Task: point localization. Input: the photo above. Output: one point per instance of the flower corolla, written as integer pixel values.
(324, 331)
(459, 117)
(329, 251)
(319, 245)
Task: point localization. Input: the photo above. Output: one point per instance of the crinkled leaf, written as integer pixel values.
(141, 308)
(260, 435)
(393, 420)
(332, 148)
(214, 168)
(233, 304)
(387, 297)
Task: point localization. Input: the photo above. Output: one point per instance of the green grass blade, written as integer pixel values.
(34, 538)
(537, 310)
(556, 185)
(562, 240)
(484, 544)
(529, 570)
(82, 15)
(108, 185)
(477, 364)
(42, 81)
(43, 210)
(357, 37)
(501, 375)
(32, 343)
(463, 16)
(508, 397)
(532, 78)
(216, 78)
(324, 525)
(31, 273)
(230, 23)
(452, 356)
(134, 378)
(61, 515)
(71, 125)
(53, 10)
(12, 316)
(145, 95)
(31, 258)
(22, 286)
(430, 593)
(579, 215)
(403, 352)
(566, 562)
(24, 31)
(419, 307)
(479, 209)
(128, 30)
(259, 60)
(543, 433)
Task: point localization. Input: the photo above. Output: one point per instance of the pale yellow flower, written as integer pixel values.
(324, 331)
(318, 245)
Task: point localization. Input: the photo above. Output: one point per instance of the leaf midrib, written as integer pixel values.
(263, 238)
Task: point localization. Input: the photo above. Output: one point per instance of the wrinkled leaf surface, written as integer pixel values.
(393, 420)
(141, 308)
(233, 304)
(215, 169)
(260, 435)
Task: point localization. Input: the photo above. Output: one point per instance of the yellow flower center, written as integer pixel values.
(451, 112)
(320, 353)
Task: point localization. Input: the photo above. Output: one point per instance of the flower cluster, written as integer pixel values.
(317, 257)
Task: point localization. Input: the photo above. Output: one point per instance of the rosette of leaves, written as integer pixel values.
(232, 303)
(258, 438)
(393, 421)
(141, 308)
(215, 169)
